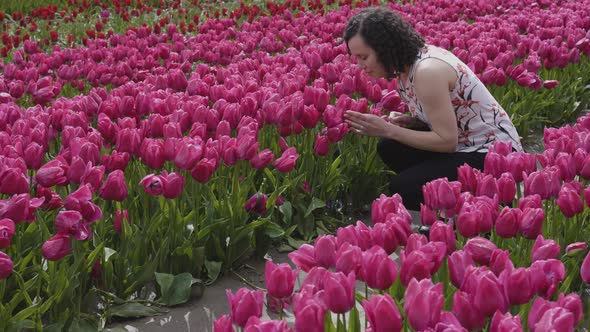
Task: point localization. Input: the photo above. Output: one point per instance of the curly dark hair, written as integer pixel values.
(395, 41)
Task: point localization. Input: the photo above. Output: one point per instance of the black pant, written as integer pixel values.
(414, 168)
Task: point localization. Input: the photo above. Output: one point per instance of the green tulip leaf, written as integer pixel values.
(213, 269)
(316, 203)
(83, 325)
(354, 324)
(135, 310)
(273, 230)
(55, 327)
(175, 289)
(287, 211)
(21, 325)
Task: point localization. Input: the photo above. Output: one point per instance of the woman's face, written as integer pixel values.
(366, 57)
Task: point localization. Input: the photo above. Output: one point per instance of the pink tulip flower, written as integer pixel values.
(423, 303)
(279, 279)
(114, 187)
(244, 304)
(339, 290)
(383, 314)
(57, 247)
(6, 232)
(6, 266)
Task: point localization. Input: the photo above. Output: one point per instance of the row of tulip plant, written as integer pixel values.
(507, 251)
(181, 156)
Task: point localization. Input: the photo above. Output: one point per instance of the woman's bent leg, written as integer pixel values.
(399, 157)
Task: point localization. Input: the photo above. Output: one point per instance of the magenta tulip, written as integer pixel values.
(508, 221)
(517, 285)
(325, 250)
(385, 205)
(286, 162)
(423, 303)
(6, 266)
(530, 201)
(256, 204)
(6, 232)
(384, 236)
(480, 249)
(449, 323)
(519, 162)
(500, 261)
(505, 323)
(70, 223)
(204, 170)
(383, 314)
(53, 173)
(279, 279)
(57, 247)
(13, 181)
(458, 263)
(254, 324)
(339, 290)
(415, 242)
(427, 216)
(118, 221)
(556, 319)
(585, 269)
(153, 184)
(303, 257)
(188, 153)
(310, 317)
(81, 200)
(223, 324)
(468, 177)
(321, 146)
(417, 264)
(544, 249)
(348, 259)
(576, 247)
(546, 276)
(445, 233)
(261, 160)
(378, 270)
(466, 312)
(530, 224)
(152, 153)
(569, 200)
(244, 304)
(440, 194)
(114, 188)
(506, 188)
(173, 184)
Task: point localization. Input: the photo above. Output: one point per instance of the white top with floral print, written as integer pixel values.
(480, 118)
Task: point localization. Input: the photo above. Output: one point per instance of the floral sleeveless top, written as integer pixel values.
(480, 119)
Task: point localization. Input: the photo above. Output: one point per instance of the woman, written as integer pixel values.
(453, 117)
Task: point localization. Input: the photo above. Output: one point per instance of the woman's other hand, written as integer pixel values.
(368, 124)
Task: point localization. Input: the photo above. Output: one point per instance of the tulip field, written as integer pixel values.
(148, 148)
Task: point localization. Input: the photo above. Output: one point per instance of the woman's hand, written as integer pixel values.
(368, 124)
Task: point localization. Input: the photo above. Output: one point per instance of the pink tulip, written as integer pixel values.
(417, 264)
(487, 186)
(53, 173)
(223, 324)
(573, 303)
(517, 285)
(13, 181)
(519, 162)
(286, 162)
(458, 263)
(480, 249)
(188, 153)
(383, 314)
(546, 276)
(585, 269)
(466, 312)
(500, 261)
(544, 249)
(6, 266)
(506, 188)
(495, 164)
(384, 205)
(261, 160)
(114, 187)
(443, 232)
(325, 251)
(116, 160)
(254, 324)
(310, 317)
(204, 170)
(321, 146)
(427, 216)
(555, 319)
(348, 259)
(469, 220)
(508, 222)
(81, 200)
(573, 248)
(415, 242)
(173, 184)
(152, 153)
(279, 279)
(440, 194)
(70, 223)
(569, 200)
(153, 184)
(384, 236)
(468, 177)
(244, 304)
(530, 224)
(378, 270)
(118, 221)
(20, 208)
(505, 323)
(423, 303)
(449, 323)
(6, 232)
(316, 278)
(57, 247)
(530, 201)
(256, 204)
(76, 170)
(128, 140)
(541, 183)
(303, 257)
(538, 309)
(339, 290)
(565, 164)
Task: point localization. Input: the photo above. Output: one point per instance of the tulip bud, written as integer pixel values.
(340, 292)
(544, 249)
(378, 270)
(223, 324)
(530, 224)
(245, 304)
(279, 279)
(6, 232)
(114, 187)
(383, 314)
(423, 303)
